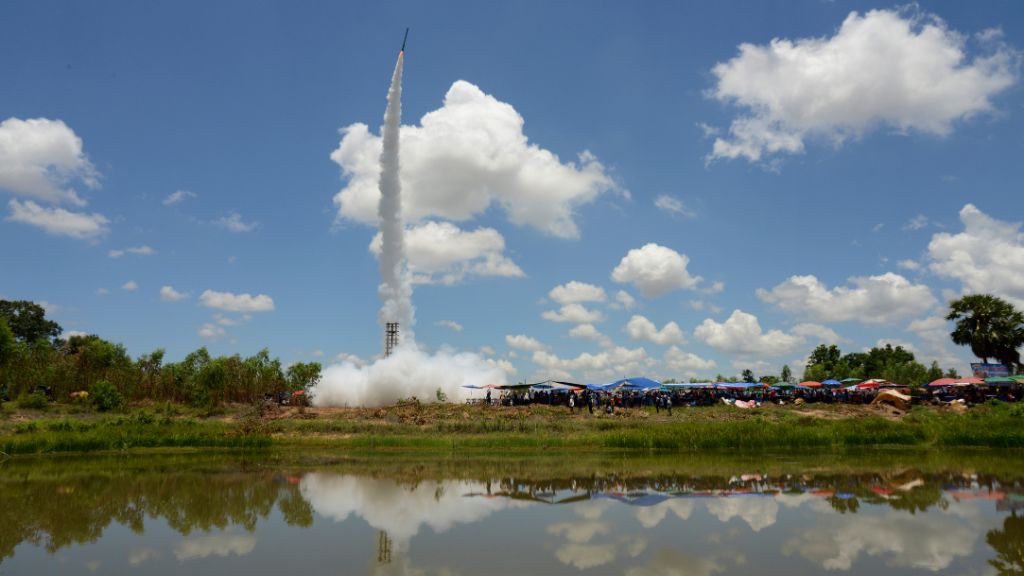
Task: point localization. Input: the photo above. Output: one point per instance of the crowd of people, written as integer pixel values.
(665, 398)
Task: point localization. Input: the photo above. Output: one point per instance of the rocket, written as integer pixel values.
(404, 39)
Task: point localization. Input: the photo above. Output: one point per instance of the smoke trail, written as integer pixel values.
(408, 371)
(395, 288)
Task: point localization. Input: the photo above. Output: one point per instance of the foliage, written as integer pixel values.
(991, 326)
(1009, 546)
(76, 364)
(786, 375)
(33, 401)
(105, 396)
(27, 320)
(7, 342)
(748, 376)
(894, 364)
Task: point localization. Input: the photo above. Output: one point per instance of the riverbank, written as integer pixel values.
(461, 428)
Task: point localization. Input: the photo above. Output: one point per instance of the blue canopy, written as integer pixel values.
(690, 385)
(739, 385)
(638, 383)
(832, 382)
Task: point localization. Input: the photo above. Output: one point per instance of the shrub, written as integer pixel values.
(105, 396)
(34, 401)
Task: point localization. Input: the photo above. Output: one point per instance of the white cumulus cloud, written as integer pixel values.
(130, 285)
(236, 302)
(442, 253)
(590, 332)
(233, 222)
(573, 313)
(450, 324)
(741, 335)
(871, 300)
(655, 270)
(574, 291)
(624, 299)
(640, 328)
(987, 257)
(686, 363)
(900, 69)
(137, 250)
(211, 331)
(673, 206)
(817, 332)
(169, 294)
(40, 157)
(607, 363)
(58, 221)
(464, 157)
(523, 342)
(178, 196)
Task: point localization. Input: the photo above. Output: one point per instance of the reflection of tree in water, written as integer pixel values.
(77, 508)
(57, 508)
(1009, 546)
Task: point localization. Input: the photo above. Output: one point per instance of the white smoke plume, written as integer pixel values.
(395, 284)
(408, 372)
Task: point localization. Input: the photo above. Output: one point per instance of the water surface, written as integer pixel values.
(557, 514)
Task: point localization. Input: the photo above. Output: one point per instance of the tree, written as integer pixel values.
(991, 326)
(303, 376)
(7, 342)
(27, 321)
(1008, 544)
(787, 375)
(748, 375)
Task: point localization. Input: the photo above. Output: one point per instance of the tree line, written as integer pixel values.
(35, 360)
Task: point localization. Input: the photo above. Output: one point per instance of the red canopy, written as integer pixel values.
(957, 381)
(811, 384)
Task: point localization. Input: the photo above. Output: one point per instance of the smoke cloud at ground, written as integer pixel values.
(407, 372)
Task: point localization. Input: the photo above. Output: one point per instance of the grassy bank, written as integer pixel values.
(452, 428)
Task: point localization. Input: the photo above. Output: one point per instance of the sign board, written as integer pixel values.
(991, 370)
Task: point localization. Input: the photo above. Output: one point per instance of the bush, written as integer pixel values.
(34, 401)
(105, 396)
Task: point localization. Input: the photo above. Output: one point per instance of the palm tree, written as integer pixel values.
(991, 326)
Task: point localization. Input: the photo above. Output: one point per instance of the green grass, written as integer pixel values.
(124, 433)
(455, 429)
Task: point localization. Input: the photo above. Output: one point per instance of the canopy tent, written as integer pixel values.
(957, 382)
(739, 385)
(851, 380)
(811, 384)
(1001, 381)
(545, 385)
(832, 382)
(689, 385)
(873, 383)
(637, 383)
(790, 386)
(484, 387)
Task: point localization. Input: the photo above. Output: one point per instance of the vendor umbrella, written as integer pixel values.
(1003, 381)
(832, 382)
(811, 384)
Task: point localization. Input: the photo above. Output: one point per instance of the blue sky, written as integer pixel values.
(838, 184)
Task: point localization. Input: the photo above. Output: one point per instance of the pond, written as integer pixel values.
(224, 513)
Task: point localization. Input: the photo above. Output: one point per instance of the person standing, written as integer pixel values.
(668, 404)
